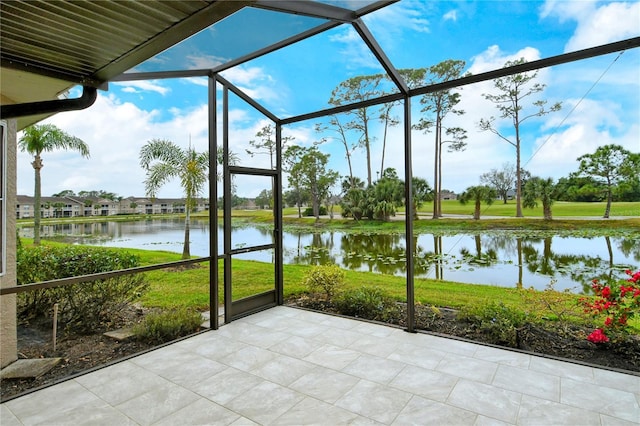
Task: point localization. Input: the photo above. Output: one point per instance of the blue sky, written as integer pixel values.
(299, 79)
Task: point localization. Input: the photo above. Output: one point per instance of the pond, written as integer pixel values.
(501, 258)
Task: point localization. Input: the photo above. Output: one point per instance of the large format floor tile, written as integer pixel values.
(286, 366)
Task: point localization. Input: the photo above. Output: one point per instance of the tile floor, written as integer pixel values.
(286, 366)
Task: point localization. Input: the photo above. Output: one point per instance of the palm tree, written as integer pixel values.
(41, 138)
(543, 189)
(163, 160)
(478, 194)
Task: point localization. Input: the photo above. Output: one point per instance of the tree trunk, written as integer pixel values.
(519, 244)
(37, 166)
(607, 211)
(435, 174)
(316, 203)
(518, 171)
(476, 212)
(186, 252)
(368, 149)
(439, 183)
(384, 147)
(437, 249)
(547, 212)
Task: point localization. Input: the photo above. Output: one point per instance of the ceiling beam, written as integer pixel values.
(309, 8)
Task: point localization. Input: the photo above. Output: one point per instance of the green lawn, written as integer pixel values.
(189, 287)
(559, 209)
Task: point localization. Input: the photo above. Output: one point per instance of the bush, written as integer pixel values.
(367, 302)
(83, 307)
(496, 320)
(327, 279)
(309, 211)
(161, 327)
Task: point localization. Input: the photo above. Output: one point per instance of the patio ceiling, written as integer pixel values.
(49, 47)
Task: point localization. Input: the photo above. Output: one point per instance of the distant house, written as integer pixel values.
(448, 195)
(73, 206)
(49, 207)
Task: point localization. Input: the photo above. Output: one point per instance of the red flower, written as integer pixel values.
(606, 292)
(598, 336)
(608, 321)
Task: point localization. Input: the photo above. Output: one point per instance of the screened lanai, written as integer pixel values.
(289, 33)
(283, 64)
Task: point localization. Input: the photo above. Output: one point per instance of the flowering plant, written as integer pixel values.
(618, 303)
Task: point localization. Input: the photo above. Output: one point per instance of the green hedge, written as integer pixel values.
(83, 307)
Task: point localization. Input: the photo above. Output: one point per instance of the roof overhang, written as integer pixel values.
(49, 47)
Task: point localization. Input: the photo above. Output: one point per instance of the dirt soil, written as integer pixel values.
(79, 353)
(83, 352)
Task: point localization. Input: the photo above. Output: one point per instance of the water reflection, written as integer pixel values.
(498, 258)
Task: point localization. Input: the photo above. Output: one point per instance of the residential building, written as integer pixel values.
(74, 206)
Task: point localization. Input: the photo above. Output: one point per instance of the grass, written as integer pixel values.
(560, 209)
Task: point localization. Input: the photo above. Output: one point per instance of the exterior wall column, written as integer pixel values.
(8, 330)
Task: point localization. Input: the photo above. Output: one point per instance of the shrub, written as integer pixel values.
(327, 279)
(161, 327)
(496, 320)
(309, 211)
(554, 305)
(366, 302)
(617, 302)
(83, 307)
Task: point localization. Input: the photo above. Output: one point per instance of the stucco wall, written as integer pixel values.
(8, 336)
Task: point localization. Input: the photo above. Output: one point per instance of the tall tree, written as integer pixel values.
(65, 193)
(41, 138)
(315, 177)
(339, 128)
(385, 115)
(512, 92)
(266, 144)
(611, 165)
(502, 180)
(436, 107)
(358, 89)
(292, 156)
(539, 189)
(478, 195)
(162, 161)
(265, 198)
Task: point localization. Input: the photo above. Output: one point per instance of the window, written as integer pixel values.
(3, 195)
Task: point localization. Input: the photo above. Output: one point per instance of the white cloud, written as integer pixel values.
(398, 17)
(198, 81)
(115, 131)
(256, 83)
(596, 23)
(493, 58)
(199, 62)
(452, 15)
(355, 52)
(143, 85)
